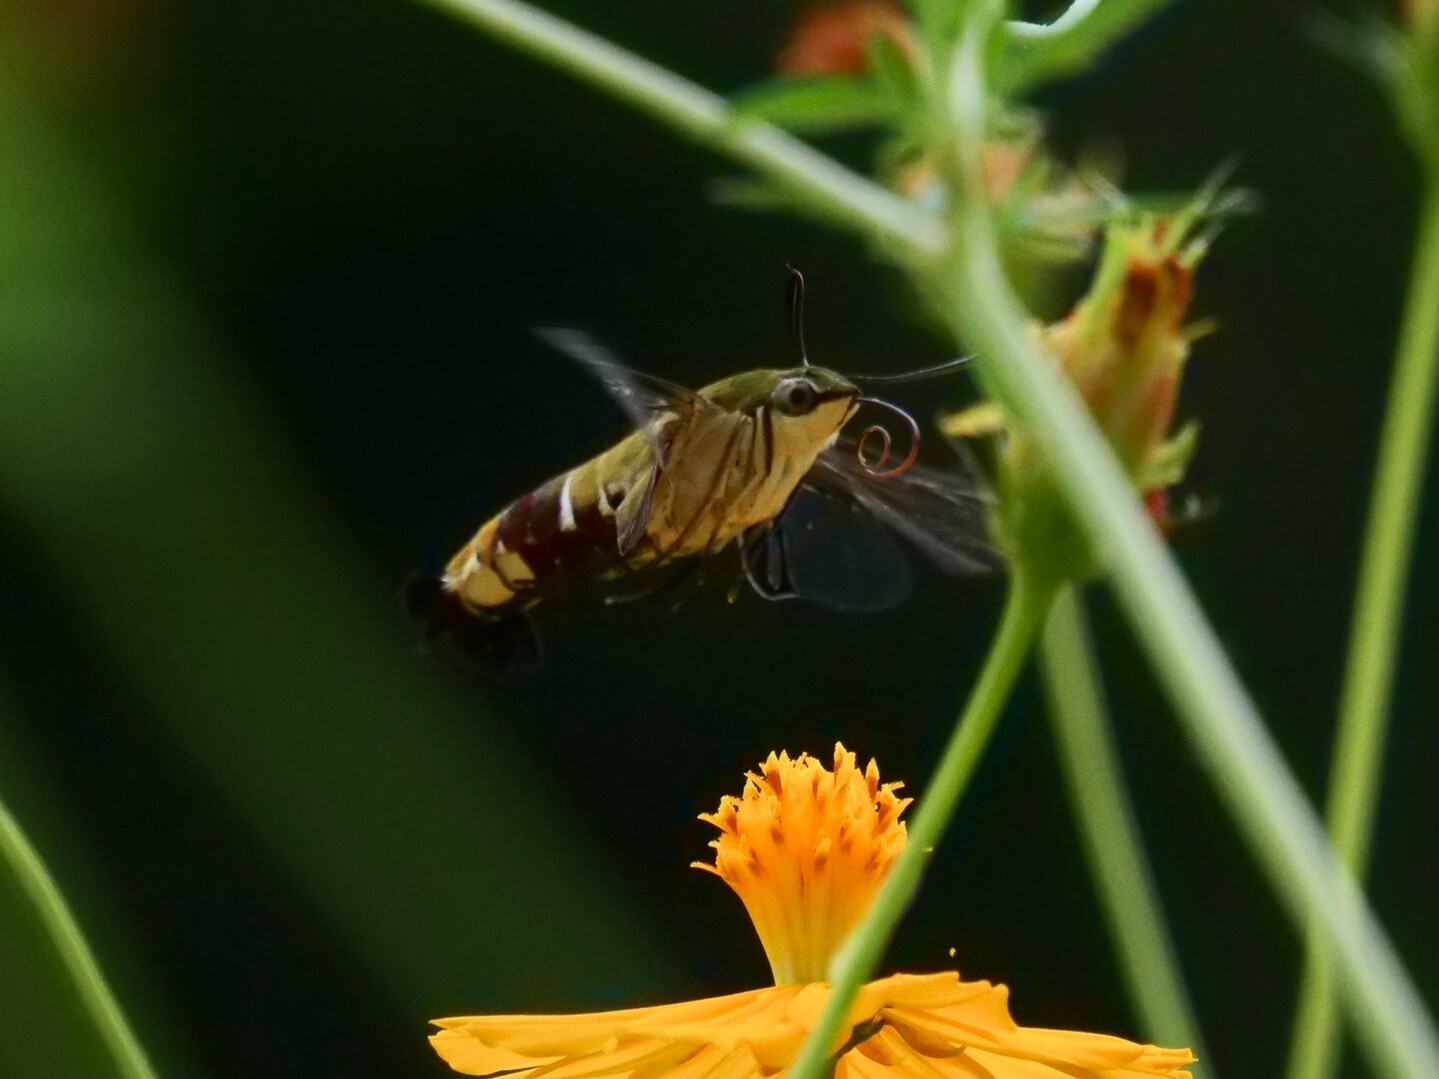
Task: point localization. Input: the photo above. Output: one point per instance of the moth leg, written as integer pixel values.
(762, 557)
(686, 570)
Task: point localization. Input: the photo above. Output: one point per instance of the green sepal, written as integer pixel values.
(1170, 460)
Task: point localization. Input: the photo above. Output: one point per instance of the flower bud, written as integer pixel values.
(1124, 346)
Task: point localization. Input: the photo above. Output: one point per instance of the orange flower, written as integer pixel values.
(833, 38)
(805, 847)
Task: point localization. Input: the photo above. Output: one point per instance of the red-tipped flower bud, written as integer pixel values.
(1124, 346)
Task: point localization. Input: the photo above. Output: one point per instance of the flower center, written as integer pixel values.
(806, 848)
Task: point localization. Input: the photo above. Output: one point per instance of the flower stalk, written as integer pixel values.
(1109, 831)
(858, 958)
(814, 179)
(96, 999)
(1358, 759)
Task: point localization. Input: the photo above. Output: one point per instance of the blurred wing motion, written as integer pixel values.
(640, 396)
(644, 399)
(834, 544)
(827, 549)
(942, 513)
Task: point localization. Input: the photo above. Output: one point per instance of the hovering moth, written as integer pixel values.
(757, 465)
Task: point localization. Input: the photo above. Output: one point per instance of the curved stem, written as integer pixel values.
(824, 186)
(1109, 831)
(1039, 52)
(857, 959)
(1222, 724)
(1378, 612)
(79, 962)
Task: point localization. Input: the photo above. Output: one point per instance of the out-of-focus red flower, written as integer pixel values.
(1421, 16)
(833, 38)
(68, 49)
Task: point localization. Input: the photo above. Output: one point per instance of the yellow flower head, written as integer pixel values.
(806, 848)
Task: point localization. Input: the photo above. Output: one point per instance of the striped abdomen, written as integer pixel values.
(724, 473)
(566, 524)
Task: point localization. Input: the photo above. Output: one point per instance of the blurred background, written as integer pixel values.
(267, 277)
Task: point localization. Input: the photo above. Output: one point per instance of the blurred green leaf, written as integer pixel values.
(892, 67)
(263, 646)
(819, 105)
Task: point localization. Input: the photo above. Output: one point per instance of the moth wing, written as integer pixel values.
(644, 399)
(632, 516)
(827, 549)
(640, 396)
(942, 513)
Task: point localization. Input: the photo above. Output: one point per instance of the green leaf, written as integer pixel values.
(815, 105)
(938, 22)
(893, 68)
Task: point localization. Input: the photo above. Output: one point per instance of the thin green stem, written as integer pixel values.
(1109, 831)
(79, 962)
(858, 957)
(1041, 52)
(821, 184)
(1220, 721)
(1378, 613)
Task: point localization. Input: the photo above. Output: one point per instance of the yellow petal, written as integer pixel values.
(470, 1056)
(715, 1038)
(932, 1026)
(936, 1015)
(982, 419)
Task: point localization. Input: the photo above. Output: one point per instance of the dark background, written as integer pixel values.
(267, 276)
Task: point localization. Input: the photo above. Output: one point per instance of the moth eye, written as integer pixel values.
(795, 397)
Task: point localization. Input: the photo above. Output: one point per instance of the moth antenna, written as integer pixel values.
(796, 312)
(876, 467)
(918, 375)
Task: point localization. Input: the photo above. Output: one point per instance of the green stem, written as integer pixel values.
(1109, 831)
(823, 185)
(1378, 612)
(1041, 52)
(857, 959)
(79, 962)
(1220, 721)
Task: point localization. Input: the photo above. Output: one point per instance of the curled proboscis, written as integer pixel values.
(876, 466)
